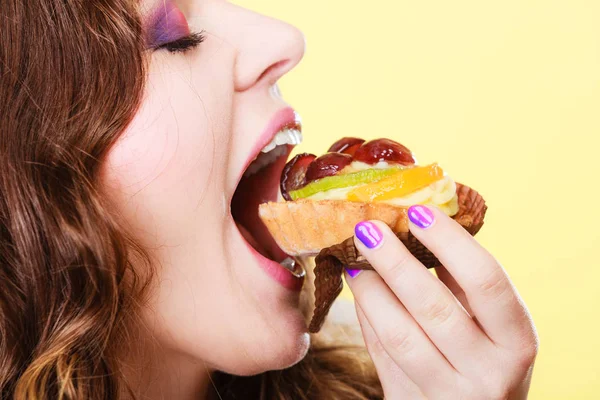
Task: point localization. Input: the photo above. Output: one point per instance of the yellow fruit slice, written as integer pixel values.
(400, 184)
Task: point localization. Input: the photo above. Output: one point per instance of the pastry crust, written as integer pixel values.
(304, 227)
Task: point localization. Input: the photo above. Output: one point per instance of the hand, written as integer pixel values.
(466, 335)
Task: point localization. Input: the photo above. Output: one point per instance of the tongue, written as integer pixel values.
(251, 192)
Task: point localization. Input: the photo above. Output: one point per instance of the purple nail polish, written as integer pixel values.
(369, 234)
(353, 272)
(421, 216)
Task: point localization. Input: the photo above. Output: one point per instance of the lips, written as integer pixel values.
(259, 183)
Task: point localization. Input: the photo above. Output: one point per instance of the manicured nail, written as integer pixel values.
(421, 216)
(353, 272)
(369, 234)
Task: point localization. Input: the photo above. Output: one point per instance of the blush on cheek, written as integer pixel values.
(166, 25)
(139, 159)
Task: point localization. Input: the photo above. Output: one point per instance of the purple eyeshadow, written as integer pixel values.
(166, 25)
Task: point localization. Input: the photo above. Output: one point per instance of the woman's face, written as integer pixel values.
(205, 116)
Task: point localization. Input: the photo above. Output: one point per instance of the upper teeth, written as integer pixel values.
(284, 136)
(264, 159)
(274, 149)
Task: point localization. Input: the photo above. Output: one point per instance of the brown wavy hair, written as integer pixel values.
(72, 78)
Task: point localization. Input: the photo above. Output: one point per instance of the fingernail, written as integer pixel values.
(353, 273)
(369, 234)
(421, 216)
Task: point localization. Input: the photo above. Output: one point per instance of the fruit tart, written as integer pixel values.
(325, 197)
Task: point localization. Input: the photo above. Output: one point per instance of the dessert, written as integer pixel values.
(326, 196)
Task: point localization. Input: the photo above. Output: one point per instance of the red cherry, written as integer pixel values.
(327, 165)
(347, 145)
(378, 150)
(294, 172)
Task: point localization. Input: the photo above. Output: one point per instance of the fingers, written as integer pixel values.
(396, 384)
(447, 279)
(427, 300)
(489, 292)
(399, 334)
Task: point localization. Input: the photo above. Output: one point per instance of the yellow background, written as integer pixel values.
(505, 95)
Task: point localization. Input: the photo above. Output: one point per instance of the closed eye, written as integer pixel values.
(183, 44)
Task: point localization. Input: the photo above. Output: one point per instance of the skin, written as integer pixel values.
(171, 177)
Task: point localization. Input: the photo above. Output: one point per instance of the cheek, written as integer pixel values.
(160, 149)
(165, 168)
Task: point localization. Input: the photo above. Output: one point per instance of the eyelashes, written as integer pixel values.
(183, 44)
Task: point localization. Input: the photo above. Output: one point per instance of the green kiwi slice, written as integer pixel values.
(342, 181)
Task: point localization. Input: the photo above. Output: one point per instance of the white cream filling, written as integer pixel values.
(361, 166)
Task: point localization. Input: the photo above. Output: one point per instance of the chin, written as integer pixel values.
(272, 353)
(292, 352)
(288, 354)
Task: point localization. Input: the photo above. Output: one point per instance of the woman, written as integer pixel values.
(126, 129)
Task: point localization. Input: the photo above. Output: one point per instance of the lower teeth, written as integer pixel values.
(295, 268)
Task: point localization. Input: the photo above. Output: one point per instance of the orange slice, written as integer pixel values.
(398, 185)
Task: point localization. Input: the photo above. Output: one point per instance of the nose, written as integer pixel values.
(267, 48)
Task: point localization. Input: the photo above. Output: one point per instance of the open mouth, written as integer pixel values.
(259, 184)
